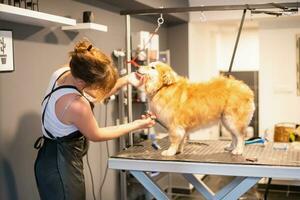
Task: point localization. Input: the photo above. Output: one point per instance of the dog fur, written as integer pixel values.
(184, 106)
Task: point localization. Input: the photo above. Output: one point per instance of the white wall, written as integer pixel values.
(202, 51)
(211, 46)
(278, 96)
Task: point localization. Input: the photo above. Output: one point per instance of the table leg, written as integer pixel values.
(233, 190)
(150, 185)
(199, 185)
(241, 188)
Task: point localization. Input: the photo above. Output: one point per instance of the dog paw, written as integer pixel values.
(180, 150)
(229, 148)
(169, 152)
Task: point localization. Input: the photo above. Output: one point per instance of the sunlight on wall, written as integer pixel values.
(247, 54)
(211, 47)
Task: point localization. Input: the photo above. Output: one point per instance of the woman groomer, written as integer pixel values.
(68, 121)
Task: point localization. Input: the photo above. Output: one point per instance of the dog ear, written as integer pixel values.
(169, 78)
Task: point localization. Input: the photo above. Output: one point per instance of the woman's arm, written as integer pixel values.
(133, 78)
(80, 115)
(119, 84)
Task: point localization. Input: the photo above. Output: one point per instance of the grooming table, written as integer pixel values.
(208, 157)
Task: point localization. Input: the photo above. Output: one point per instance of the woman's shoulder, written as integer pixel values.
(79, 110)
(79, 103)
(70, 107)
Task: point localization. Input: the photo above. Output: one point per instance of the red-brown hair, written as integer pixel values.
(92, 66)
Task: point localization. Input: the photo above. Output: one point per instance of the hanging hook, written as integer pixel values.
(202, 15)
(160, 22)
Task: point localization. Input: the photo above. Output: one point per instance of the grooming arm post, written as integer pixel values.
(237, 40)
(129, 87)
(123, 175)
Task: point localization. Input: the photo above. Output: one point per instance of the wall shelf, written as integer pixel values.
(85, 26)
(25, 16)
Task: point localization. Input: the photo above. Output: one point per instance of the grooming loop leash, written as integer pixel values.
(160, 22)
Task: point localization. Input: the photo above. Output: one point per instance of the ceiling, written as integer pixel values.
(170, 19)
(178, 18)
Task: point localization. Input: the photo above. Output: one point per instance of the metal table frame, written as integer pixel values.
(246, 175)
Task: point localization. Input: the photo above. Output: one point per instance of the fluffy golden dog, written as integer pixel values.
(184, 106)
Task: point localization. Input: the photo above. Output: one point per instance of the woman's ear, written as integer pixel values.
(81, 84)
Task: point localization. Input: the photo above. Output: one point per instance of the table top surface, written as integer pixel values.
(212, 151)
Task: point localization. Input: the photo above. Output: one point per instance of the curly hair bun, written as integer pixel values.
(82, 46)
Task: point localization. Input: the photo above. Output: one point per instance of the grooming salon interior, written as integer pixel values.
(200, 99)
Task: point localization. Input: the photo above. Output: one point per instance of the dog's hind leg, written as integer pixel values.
(236, 118)
(237, 133)
(240, 144)
(227, 124)
(176, 137)
(233, 143)
(181, 145)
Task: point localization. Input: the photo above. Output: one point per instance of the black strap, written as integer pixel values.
(38, 143)
(54, 85)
